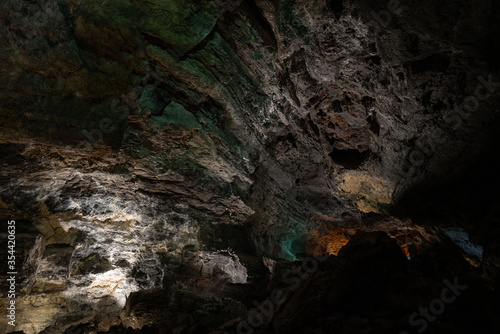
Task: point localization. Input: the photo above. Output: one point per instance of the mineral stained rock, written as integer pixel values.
(168, 163)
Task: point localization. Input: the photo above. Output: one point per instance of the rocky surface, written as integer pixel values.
(165, 161)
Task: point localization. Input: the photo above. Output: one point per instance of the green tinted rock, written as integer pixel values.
(178, 23)
(154, 100)
(175, 113)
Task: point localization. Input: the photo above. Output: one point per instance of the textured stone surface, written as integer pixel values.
(168, 147)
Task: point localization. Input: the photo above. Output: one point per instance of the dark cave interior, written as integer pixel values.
(249, 166)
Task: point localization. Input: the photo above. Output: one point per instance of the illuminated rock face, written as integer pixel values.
(152, 152)
(105, 236)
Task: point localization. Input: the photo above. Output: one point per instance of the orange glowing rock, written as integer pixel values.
(330, 243)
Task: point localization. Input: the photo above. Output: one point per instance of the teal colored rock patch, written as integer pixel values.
(175, 113)
(154, 100)
(293, 247)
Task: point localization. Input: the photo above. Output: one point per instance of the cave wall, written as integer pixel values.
(158, 128)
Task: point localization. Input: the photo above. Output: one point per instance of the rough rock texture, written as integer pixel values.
(161, 157)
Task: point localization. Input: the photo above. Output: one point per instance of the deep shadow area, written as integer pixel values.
(462, 199)
(469, 200)
(476, 34)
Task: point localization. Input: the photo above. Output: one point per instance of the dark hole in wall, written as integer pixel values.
(291, 139)
(350, 158)
(262, 25)
(337, 6)
(337, 106)
(368, 102)
(426, 99)
(219, 236)
(374, 125)
(375, 60)
(436, 62)
(438, 106)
